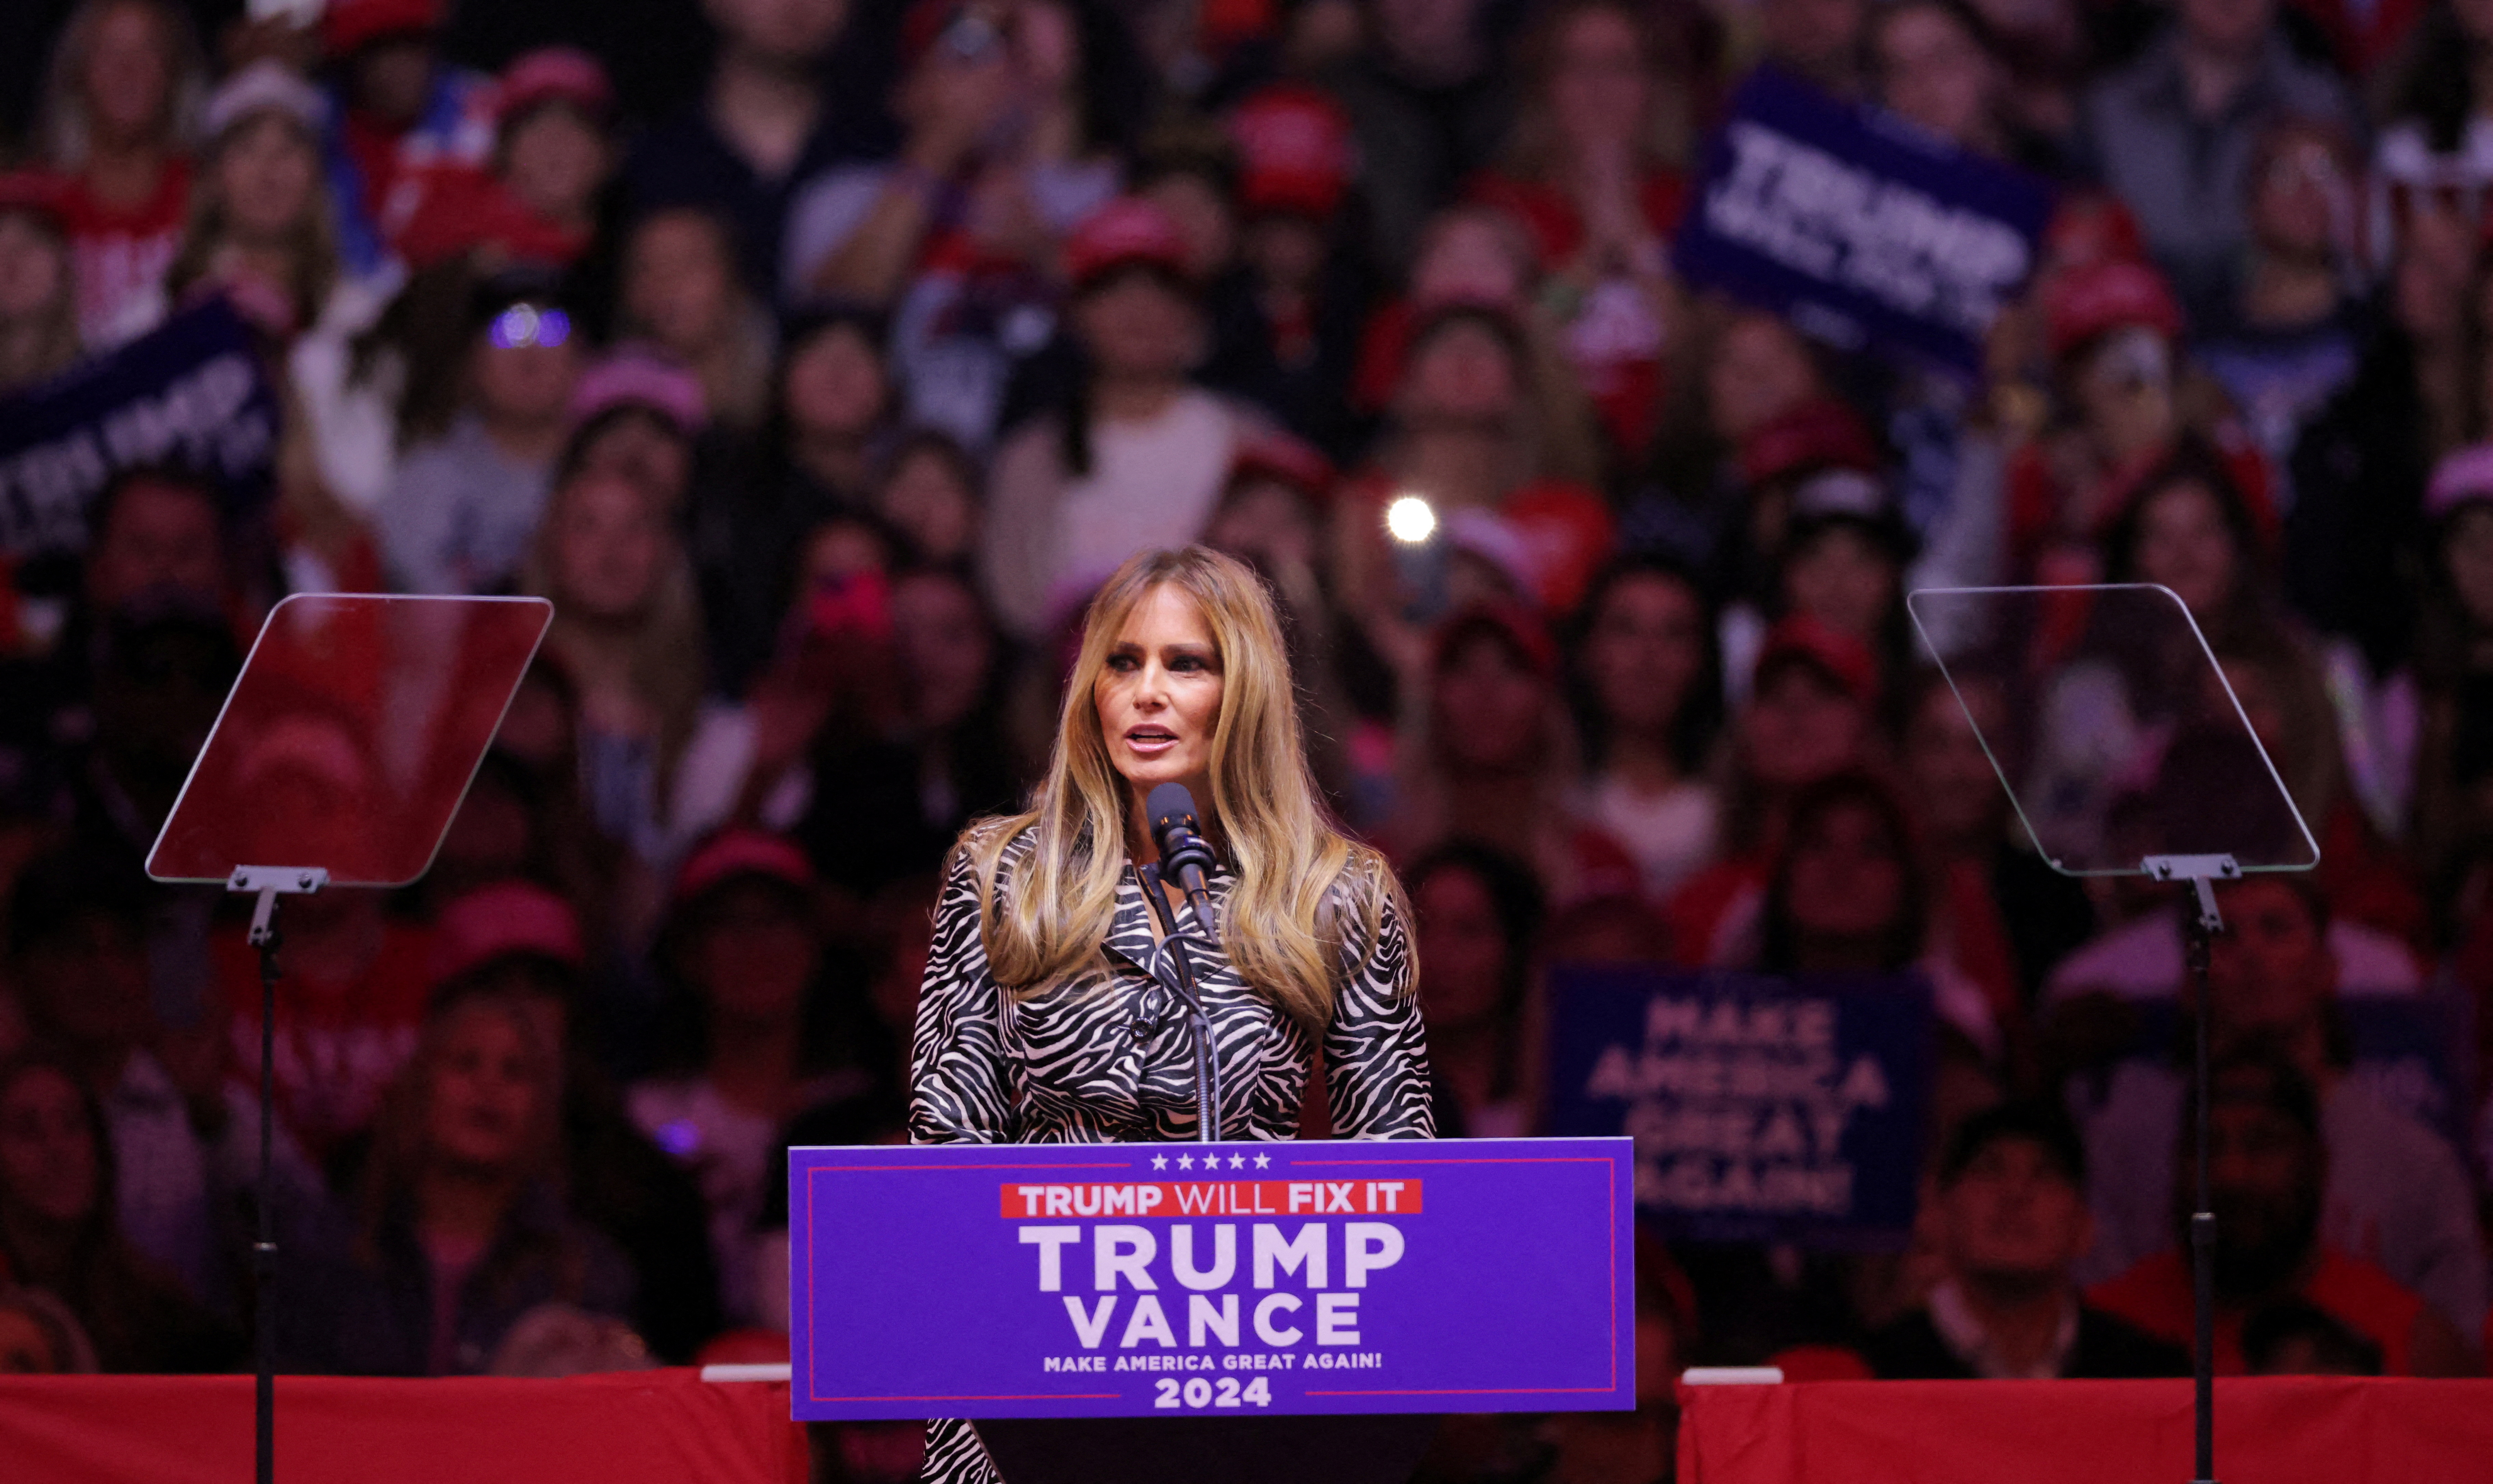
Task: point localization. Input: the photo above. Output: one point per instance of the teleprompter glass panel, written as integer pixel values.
(2116, 728)
(350, 736)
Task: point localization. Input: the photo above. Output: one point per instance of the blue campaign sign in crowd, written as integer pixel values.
(190, 394)
(1762, 1109)
(1858, 225)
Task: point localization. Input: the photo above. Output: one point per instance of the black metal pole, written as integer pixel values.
(1207, 1064)
(2199, 940)
(264, 1254)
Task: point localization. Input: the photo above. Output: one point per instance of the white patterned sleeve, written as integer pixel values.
(959, 1077)
(1376, 1048)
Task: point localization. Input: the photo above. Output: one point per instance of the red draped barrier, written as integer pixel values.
(2268, 1431)
(649, 1427)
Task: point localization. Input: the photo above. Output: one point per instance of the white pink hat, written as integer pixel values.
(2462, 478)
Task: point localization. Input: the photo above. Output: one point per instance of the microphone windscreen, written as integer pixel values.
(1169, 801)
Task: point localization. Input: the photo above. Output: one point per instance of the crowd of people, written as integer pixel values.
(818, 358)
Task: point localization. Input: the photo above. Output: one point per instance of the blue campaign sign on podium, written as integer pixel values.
(1212, 1280)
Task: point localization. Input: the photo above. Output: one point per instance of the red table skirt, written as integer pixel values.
(649, 1427)
(2268, 1431)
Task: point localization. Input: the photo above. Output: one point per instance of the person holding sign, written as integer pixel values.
(1053, 1009)
(1585, 176)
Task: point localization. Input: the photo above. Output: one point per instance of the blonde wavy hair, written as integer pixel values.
(1303, 889)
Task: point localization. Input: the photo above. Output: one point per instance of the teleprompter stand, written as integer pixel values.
(2200, 926)
(346, 746)
(267, 883)
(2125, 753)
(1343, 1450)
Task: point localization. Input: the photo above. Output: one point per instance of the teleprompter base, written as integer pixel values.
(1326, 1449)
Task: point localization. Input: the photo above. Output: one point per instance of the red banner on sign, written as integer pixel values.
(1211, 1198)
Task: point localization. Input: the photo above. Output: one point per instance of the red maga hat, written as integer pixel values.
(2091, 227)
(348, 26)
(464, 208)
(1294, 151)
(563, 75)
(1819, 433)
(2086, 302)
(503, 919)
(1128, 232)
(1289, 461)
(1517, 627)
(37, 191)
(738, 851)
(1824, 648)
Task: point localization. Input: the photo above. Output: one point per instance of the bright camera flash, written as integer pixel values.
(1410, 520)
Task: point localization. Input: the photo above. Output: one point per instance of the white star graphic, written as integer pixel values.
(1238, 1162)
(1160, 1161)
(1263, 1161)
(1185, 1162)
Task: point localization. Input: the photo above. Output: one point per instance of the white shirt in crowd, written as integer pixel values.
(1671, 834)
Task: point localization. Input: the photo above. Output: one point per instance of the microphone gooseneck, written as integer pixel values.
(1186, 859)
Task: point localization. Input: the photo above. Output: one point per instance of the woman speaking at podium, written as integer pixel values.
(1053, 1010)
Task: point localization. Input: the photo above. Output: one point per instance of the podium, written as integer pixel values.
(1212, 1312)
(339, 758)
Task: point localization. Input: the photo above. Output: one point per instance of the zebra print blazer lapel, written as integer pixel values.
(1130, 938)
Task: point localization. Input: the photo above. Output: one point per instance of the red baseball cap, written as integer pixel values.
(2091, 227)
(635, 376)
(348, 26)
(1824, 648)
(39, 192)
(1128, 232)
(464, 209)
(1517, 627)
(1294, 151)
(553, 75)
(2087, 301)
(1819, 433)
(1571, 533)
(502, 920)
(1285, 460)
(738, 851)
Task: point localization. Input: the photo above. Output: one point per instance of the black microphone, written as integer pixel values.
(1185, 856)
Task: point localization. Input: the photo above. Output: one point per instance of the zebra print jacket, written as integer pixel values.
(1107, 1058)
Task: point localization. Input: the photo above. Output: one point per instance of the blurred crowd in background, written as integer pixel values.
(816, 357)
